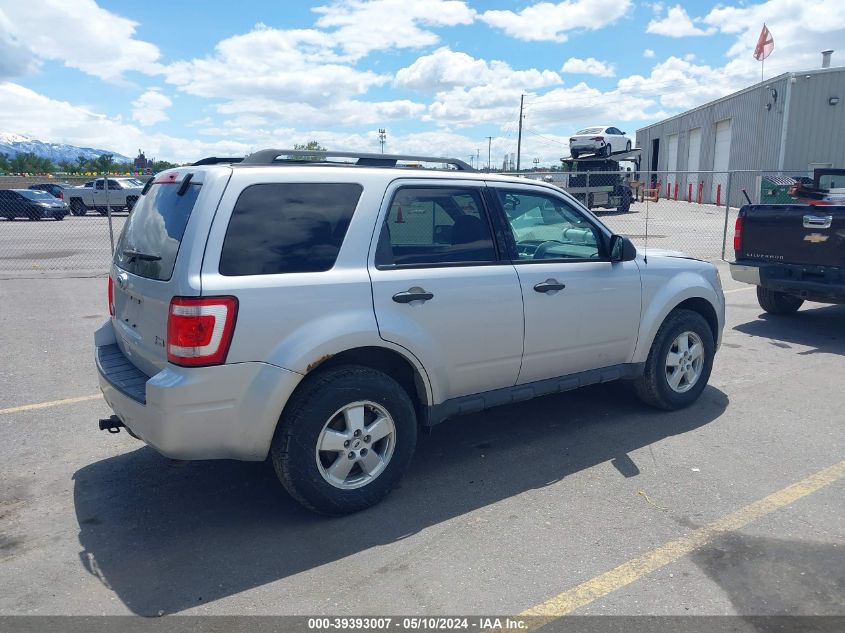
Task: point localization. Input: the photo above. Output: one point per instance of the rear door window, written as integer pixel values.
(431, 226)
(153, 233)
(288, 228)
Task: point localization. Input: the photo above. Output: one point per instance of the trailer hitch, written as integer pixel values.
(112, 424)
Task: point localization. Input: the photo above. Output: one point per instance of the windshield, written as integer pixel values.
(591, 130)
(153, 233)
(35, 194)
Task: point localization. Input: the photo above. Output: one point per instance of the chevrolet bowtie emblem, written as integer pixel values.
(816, 238)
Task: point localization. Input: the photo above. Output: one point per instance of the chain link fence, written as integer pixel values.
(692, 212)
(62, 223)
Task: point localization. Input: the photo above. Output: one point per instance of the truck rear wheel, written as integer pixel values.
(345, 439)
(77, 207)
(775, 302)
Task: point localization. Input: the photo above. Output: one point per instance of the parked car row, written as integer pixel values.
(31, 204)
(57, 200)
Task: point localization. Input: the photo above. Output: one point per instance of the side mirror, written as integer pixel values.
(622, 249)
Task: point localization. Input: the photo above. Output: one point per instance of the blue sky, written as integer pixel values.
(186, 79)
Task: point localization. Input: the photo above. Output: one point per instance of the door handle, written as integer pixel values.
(818, 222)
(550, 285)
(414, 294)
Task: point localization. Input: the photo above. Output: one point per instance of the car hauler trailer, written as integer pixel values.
(603, 182)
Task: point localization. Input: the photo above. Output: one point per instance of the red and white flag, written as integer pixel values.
(765, 44)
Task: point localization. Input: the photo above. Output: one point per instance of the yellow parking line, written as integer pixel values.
(52, 403)
(641, 566)
(727, 292)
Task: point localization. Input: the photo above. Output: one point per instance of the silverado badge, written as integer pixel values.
(816, 238)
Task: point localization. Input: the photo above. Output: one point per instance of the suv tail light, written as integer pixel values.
(200, 329)
(738, 235)
(111, 296)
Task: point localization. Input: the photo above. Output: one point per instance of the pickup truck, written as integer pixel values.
(121, 193)
(792, 253)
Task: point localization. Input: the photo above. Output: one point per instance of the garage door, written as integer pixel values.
(721, 157)
(693, 157)
(672, 160)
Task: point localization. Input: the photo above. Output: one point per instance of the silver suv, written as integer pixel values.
(320, 312)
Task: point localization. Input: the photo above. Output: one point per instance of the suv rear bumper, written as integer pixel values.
(221, 412)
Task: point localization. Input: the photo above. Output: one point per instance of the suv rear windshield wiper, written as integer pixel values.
(147, 257)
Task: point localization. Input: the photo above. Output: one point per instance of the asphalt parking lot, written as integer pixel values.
(584, 503)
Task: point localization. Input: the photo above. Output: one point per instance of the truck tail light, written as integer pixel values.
(111, 296)
(738, 235)
(200, 329)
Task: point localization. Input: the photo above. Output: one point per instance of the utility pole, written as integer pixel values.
(382, 138)
(489, 145)
(478, 158)
(519, 138)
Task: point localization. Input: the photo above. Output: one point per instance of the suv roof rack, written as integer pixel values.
(303, 156)
(214, 160)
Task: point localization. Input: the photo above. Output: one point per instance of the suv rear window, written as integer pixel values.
(153, 233)
(287, 228)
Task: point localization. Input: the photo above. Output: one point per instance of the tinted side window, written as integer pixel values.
(287, 228)
(435, 226)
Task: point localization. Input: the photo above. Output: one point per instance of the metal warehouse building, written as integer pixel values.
(794, 123)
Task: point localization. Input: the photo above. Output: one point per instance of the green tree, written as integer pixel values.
(104, 163)
(313, 146)
(5, 166)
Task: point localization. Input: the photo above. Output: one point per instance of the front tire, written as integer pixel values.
(130, 203)
(679, 363)
(574, 154)
(778, 302)
(608, 150)
(345, 439)
(628, 146)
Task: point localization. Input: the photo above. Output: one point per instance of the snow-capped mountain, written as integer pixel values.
(13, 144)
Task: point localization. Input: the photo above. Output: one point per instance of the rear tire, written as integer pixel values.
(77, 207)
(608, 150)
(574, 154)
(667, 357)
(778, 302)
(130, 203)
(322, 412)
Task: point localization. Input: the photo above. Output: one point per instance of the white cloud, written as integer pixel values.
(547, 21)
(27, 112)
(446, 69)
(263, 112)
(648, 53)
(81, 35)
(589, 66)
(149, 108)
(288, 65)
(801, 28)
(362, 26)
(15, 58)
(677, 23)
